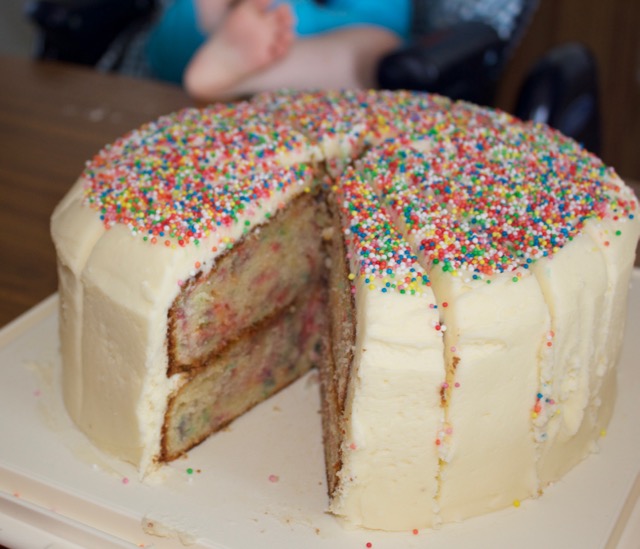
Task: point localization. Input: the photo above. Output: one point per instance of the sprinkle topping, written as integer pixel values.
(489, 194)
(444, 184)
(382, 253)
(180, 178)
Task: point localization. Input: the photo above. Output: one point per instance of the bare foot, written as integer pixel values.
(251, 37)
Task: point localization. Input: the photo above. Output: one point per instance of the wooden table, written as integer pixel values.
(53, 118)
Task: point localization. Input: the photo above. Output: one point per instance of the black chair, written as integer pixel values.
(82, 31)
(461, 62)
(561, 90)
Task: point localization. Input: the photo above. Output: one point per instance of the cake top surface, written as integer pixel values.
(362, 117)
(490, 194)
(453, 184)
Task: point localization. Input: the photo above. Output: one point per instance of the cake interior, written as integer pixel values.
(271, 266)
(336, 365)
(233, 354)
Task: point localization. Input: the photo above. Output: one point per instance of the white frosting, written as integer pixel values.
(528, 357)
(393, 413)
(574, 285)
(493, 337)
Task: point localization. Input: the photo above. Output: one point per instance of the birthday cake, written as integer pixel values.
(457, 276)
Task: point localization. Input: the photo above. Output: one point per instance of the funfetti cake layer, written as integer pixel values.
(466, 330)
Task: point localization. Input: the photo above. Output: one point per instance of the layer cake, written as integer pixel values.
(459, 278)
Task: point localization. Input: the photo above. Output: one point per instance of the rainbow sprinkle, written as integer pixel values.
(490, 194)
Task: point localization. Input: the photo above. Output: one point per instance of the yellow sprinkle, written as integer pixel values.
(534, 415)
(372, 286)
(516, 503)
(352, 276)
(603, 433)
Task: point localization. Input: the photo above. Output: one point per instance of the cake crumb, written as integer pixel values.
(327, 233)
(156, 528)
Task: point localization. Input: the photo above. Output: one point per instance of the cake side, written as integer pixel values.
(586, 287)
(79, 228)
(493, 330)
(335, 370)
(488, 203)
